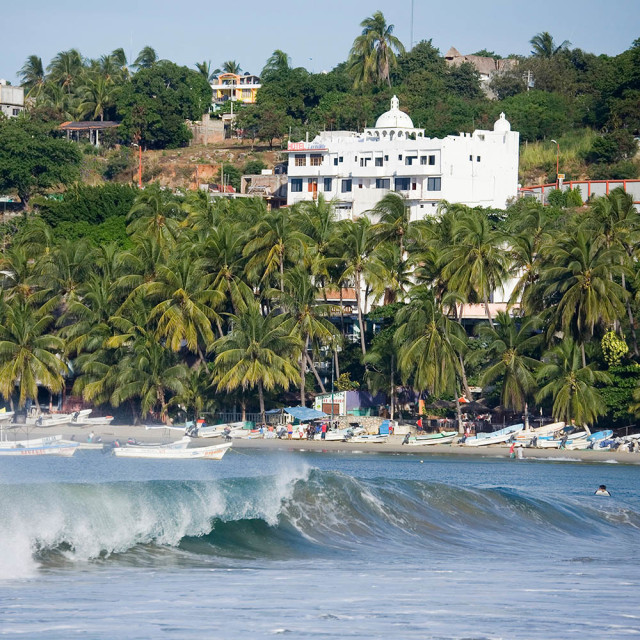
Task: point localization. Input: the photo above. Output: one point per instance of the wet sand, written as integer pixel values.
(393, 445)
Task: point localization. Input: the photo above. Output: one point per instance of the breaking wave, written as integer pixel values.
(308, 513)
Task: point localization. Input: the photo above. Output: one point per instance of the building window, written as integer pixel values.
(341, 158)
(434, 184)
(379, 162)
(414, 186)
(360, 184)
(301, 160)
(409, 159)
(312, 185)
(16, 112)
(402, 184)
(315, 159)
(328, 184)
(364, 162)
(346, 186)
(400, 157)
(470, 158)
(383, 183)
(296, 185)
(335, 162)
(423, 159)
(477, 158)
(432, 161)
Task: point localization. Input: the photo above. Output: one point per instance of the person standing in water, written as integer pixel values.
(602, 491)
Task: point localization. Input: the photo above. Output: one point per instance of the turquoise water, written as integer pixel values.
(317, 545)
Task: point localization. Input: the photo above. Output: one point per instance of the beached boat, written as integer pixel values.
(217, 430)
(376, 438)
(494, 437)
(590, 442)
(183, 443)
(445, 437)
(550, 442)
(49, 421)
(35, 442)
(168, 453)
(340, 435)
(81, 418)
(60, 448)
(6, 415)
(526, 436)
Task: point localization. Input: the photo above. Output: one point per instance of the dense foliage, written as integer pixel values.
(220, 303)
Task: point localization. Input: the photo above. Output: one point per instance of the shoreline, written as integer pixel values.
(394, 445)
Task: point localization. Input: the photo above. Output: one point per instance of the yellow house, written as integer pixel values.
(230, 86)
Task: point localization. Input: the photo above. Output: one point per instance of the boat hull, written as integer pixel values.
(416, 442)
(63, 449)
(167, 453)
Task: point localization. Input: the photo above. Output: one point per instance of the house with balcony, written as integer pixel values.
(357, 169)
(234, 87)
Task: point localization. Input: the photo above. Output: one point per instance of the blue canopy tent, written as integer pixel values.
(301, 414)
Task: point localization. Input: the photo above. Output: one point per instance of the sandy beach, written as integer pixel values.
(393, 445)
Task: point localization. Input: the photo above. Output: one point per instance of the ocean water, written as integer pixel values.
(318, 545)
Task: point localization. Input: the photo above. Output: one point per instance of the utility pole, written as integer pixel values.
(411, 38)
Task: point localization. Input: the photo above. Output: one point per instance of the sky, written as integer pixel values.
(317, 35)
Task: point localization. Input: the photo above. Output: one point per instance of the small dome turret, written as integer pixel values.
(394, 118)
(502, 125)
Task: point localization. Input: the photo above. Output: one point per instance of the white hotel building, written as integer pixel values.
(358, 169)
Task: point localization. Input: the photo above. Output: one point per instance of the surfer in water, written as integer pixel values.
(602, 491)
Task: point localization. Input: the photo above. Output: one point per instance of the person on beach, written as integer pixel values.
(290, 430)
(324, 430)
(419, 423)
(602, 491)
(90, 437)
(512, 450)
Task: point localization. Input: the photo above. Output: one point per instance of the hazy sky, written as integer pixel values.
(316, 34)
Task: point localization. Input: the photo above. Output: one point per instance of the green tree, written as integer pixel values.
(158, 100)
(257, 353)
(278, 64)
(32, 76)
(146, 58)
(545, 47)
(29, 355)
(571, 384)
(373, 56)
(511, 344)
(32, 161)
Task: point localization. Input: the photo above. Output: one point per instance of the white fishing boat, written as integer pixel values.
(52, 420)
(548, 442)
(526, 436)
(6, 415)
(494, 437)
(169, 453)
(340, 435)
(590, 442)
(183, 443)
(35, 442)
(81, 418)
(375, 438)
(218, 430)
(60, 448)
(444, 438)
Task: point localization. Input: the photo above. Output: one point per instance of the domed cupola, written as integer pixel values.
(394, 118)
(502, 125)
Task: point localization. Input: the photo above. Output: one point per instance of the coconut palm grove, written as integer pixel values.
(168, 303)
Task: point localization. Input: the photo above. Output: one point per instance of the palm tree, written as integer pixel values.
(196, 395)
(147, 371)
(510, 345)
(571, 384)
(271, 241)
(119, 57)
(308, 319)
(29, 355)
(156, 213)
(577, 285)
(544, 46)
(98, 93)
(205, 70)
(146, 58)
(257, 353)
(278, 63)
(32, 76)
(231, 66)
(477, 264)
(185, 304)
(394, 217)
(391, 274)
(429, 344)
(357, 238)
(64, 69)
(615, 221)
(373, 54)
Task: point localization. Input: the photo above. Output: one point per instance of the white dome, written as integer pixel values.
(394, 118)
(502, 124)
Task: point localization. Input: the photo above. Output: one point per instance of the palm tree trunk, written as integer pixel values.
(632, 328)
(261, 398)
(303, 371)
(243, 406)
(486, 308)
(459, 415)
(392, 393)
(526, 416)
(281, 273)
(335, 357)
(584, 359)
(465, 382)
(341, 313)
(315, 372)
(360, 321)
